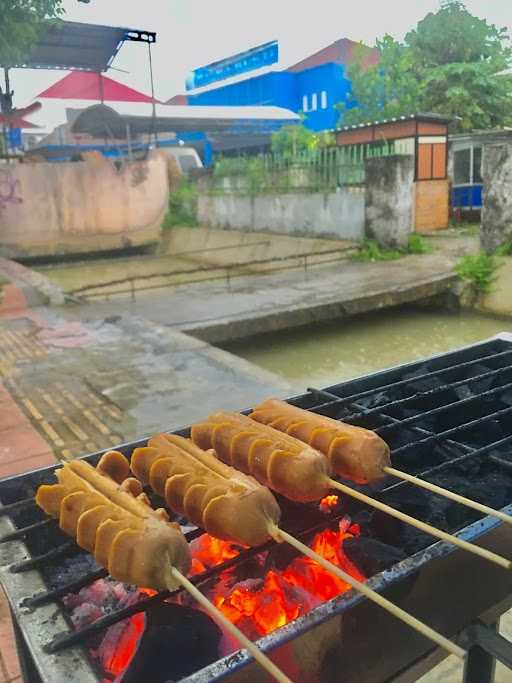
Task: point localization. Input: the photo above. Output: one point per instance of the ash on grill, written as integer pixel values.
(446, 419)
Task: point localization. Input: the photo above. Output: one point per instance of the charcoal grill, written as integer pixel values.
(447, 419)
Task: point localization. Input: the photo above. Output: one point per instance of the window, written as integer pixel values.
(314, 103)
(477, 164)
(304, 103)
(462, 166)
(467, 166)
(323, 99)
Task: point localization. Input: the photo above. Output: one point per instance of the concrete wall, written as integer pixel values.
(389, 211)
(83, 206)
(496, 226)
(336, 214)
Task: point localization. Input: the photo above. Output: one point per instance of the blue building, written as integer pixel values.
(313, 86)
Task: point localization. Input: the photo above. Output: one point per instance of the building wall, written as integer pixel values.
(319, 90)
(335, 214)
(48, 209)
(314, 91)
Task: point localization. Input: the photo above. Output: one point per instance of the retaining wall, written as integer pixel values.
(337, 214)
(82, 206)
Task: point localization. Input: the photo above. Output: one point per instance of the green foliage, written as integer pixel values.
(293, 139)
(383, 91)
(251, 169)
(371, 251)
(418, 245)
(452, 63)
(505, 249)
(479, 270)
(182, 206)
(21, 23)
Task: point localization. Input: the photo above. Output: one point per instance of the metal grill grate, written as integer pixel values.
(446, 411)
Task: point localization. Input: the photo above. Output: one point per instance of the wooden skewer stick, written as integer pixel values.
(393, 609)
(217, 615)
(423, 526)
(449, 494)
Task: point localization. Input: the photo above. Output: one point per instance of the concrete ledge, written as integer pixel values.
(260, 322)
(37, 289)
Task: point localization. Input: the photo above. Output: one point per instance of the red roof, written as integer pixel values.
(16, 122)
(179, 100)
(85, 85)
(340, 52)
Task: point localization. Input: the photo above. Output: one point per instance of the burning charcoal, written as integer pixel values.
(176, 642)
(85, 614)
(371, 556)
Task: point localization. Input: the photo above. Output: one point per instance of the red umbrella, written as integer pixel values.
(85, 85)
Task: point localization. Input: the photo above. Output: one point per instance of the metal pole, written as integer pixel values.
(100, 86)
(6, 110)
(155, 136)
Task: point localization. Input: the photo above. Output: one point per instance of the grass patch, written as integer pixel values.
(372, 251)
(479, 270)
(505, 249)
(182, 206)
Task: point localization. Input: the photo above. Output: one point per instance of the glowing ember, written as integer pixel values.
(208, 551)
(328, 503)
(283, 596)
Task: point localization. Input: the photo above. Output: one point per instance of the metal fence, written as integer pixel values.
(315, 170)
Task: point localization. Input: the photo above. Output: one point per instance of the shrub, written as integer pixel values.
(479, 270)
(182, 205)
(418, 245)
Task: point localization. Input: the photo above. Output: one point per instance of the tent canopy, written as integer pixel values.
(100, 120)
(86, 47)
(79, 85)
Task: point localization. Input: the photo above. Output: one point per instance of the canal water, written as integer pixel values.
(327, 354)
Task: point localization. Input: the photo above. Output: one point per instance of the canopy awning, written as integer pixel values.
(79, 85)
(85, 47)
(100, 120)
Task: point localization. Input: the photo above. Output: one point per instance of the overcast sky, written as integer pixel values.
(191, 33)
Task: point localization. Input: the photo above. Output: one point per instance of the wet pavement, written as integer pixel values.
(217, 312)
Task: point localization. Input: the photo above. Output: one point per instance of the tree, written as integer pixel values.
(452, 63)
(461, 60)
(21, 22)
(386, 90)
(292, 139)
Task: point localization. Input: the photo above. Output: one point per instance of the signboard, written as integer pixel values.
(15, 137)
(243, 62)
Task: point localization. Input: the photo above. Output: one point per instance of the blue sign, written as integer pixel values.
(241, 63)
(15, 137)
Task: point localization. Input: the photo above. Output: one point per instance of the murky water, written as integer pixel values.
(323, 355)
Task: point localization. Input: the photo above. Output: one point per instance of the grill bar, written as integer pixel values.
(432, 392)
(456, 451)
(455, 430)
(37, 560)
(403, 382)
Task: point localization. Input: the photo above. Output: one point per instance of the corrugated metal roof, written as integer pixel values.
(73, 45)
(99, 119)
(428, 116)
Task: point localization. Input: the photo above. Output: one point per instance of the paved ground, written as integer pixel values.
(251, 305)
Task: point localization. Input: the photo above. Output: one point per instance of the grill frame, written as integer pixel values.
(65, 665)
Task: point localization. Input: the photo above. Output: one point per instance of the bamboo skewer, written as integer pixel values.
(423, 526)
(398, 612)
(217, 615)
(449, 494)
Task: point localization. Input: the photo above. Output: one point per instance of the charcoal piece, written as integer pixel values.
(371, 556)
(176, 642)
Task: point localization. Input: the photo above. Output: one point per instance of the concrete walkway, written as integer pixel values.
(216, 313)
